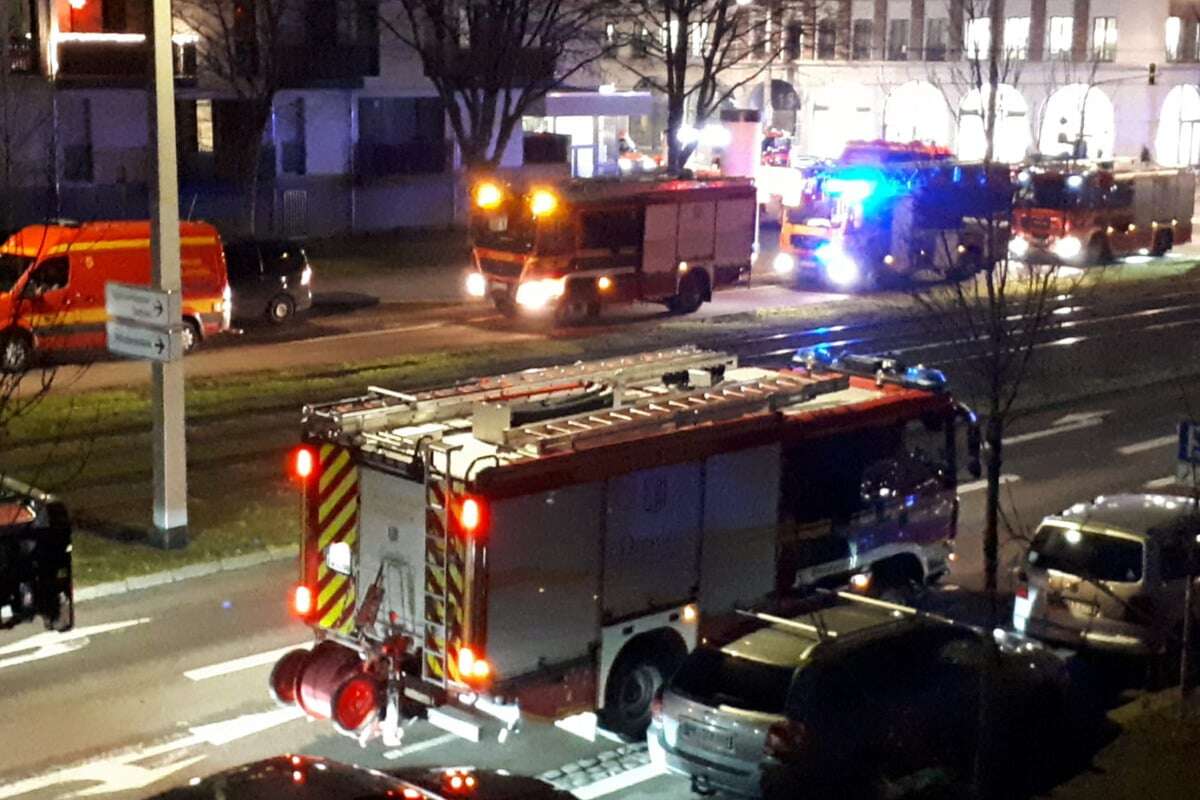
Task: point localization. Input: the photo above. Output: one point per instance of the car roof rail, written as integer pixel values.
(822, 632)
(898, 608)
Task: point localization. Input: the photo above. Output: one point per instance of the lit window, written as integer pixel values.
(204, 126)
(670, 34)
(1104, 38)
(699, 38)
(1174, 37)
(1016, 37)
(979, 37)
(1062, 36)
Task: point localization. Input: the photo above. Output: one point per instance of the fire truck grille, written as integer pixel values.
(806, 241)
(501, 269)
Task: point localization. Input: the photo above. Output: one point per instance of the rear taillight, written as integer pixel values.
(785, 738)
(302, 601)
(474, 669)
(656, 706)
(1022, 591)
(304, 463)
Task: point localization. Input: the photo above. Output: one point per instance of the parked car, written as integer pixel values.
(1110, 574)
(298, 776)
(826, 704)
(270, 279)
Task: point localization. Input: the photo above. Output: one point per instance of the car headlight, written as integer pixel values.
(1018, 246)
(840, 267)
(1068, 247)
(339, 557)
(476, 284)
(783, 264)
(538, 294)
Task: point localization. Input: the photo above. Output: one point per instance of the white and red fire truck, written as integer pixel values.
(569, 248)
(552, 540)
(1091, 213)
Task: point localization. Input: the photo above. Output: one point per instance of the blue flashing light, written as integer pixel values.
(816, 355)
(852, 190)
(925, 378)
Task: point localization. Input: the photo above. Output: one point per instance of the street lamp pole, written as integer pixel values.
(167, 387)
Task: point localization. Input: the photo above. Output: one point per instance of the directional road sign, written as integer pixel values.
(139, 341)
(141, 304)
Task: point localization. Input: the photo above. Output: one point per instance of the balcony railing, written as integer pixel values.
(116, 56)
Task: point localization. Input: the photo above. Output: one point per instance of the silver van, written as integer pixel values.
(1109, 574)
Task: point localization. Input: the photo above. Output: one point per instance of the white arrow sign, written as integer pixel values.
(151, 344)
(1064, 424)
(142, 304)
(50, 644)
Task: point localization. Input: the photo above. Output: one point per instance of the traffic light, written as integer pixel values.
(1153, 73)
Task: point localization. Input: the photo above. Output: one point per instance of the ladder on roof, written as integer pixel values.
(383, 409)
(673, 411)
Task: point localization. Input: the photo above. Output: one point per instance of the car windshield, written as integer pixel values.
(717, 678)
(12, 267)
(503, 230)
(1048, 191)
(1087, 554)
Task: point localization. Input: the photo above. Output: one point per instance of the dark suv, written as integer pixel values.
(268, 278)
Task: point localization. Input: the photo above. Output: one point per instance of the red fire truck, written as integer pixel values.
(569, 248)
(1091, 213)
(553, 540)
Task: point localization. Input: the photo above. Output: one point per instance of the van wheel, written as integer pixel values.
(1163, 241)
(16, 352)
(690, 296)
(191, 335)
(280, 309)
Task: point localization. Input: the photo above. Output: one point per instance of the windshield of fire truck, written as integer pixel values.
(1050, 191)
(517, 231)
(12, 267)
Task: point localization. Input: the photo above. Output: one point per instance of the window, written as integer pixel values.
(1062, 36)
(793, 40)
(1093, 556)
(204, 126)
(714, 677)
(400, 136)
(241, 259)
(937, 33)
(1104, 38)
(897, 44)
(827, 39)
(860, 38)
(641, 42)
(1174, 37)
(610, 33)
(762, 37)
(979, 37)
(1016, 37)
(699, 38)
(294, 155)
(669, 35)
(50, 275)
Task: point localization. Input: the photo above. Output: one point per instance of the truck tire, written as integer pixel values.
(191, 335)
(1163, 241)
(638, 674)
(691, 294)
(16, 351)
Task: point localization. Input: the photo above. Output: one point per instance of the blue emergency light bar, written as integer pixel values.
(884, 369)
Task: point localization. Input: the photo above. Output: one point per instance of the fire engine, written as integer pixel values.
(864, 224)
(550, 541)
(1091, 213)
(570, 248)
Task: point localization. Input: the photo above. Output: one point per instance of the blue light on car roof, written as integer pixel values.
(820, 354)
(925, 377)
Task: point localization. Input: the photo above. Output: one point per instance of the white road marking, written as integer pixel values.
(1160, 483)
(1149, 444)
(615, 783)
(121, 772)
(49, 643)
(418, 747)
(333, 337)
(244, 663)
(975, 486)
(1065, 424)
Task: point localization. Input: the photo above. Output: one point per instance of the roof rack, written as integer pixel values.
(820, 631)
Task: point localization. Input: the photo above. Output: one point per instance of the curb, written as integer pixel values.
(138, 582)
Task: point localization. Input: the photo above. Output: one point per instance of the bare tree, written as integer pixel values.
(490, 61)
(244, 49)
(699, 53)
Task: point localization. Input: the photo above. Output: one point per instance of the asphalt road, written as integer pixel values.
(162, 685)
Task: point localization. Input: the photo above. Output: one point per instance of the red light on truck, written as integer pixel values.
(470, 515)
(303, 463)
(302, 601)
(473, 668)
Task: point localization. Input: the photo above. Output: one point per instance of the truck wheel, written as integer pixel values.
(191, 335)
(16, 352)
(280, 309)
(1163, 241)
(690, 296)
(634, 681)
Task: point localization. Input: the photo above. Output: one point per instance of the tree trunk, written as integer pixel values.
(991, 531)
(258, 113)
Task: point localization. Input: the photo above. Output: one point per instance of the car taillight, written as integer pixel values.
(1022, 591)
(785, 738)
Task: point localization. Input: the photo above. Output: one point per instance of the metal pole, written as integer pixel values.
(170, 455)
